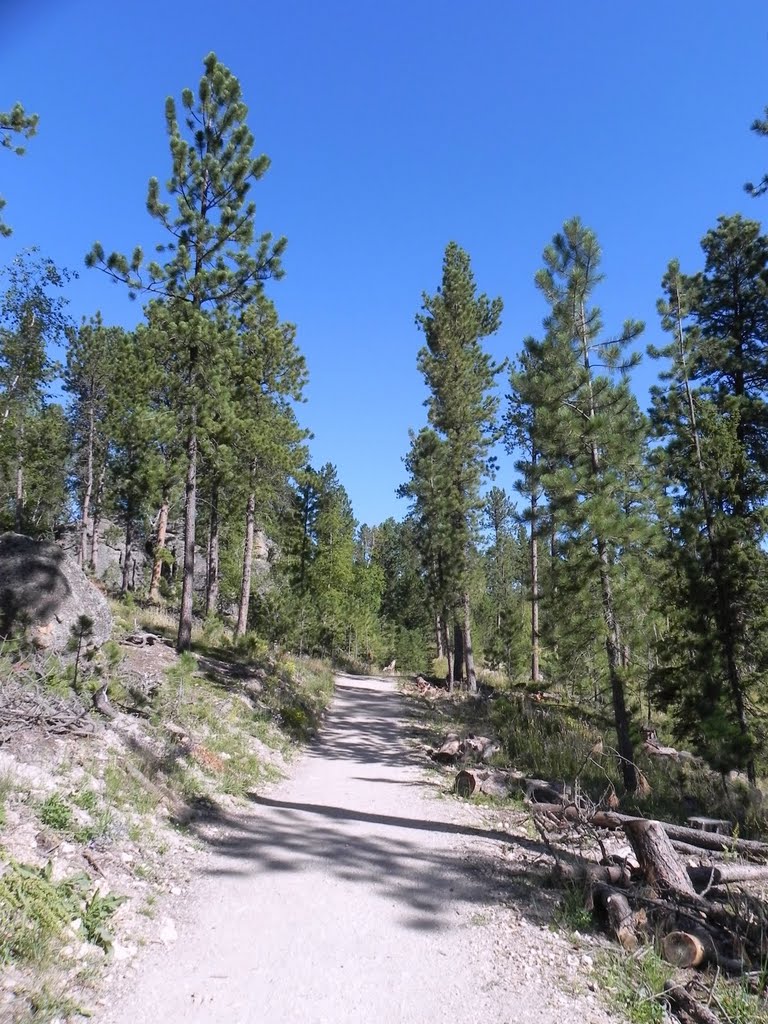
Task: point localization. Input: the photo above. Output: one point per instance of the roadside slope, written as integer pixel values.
(350, 894)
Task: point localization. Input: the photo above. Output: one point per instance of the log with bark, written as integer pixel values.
(452, 748)
(614, 905)
(692, 836)
(682, 1002)
(660, 865)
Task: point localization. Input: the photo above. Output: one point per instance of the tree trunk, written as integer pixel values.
(693, 836)
(127, 557)
(439, 637)
(245, 588)
(97, 517)
(184, 639)
(157, 564)
(19, 493)
(469, 657)
(448, 652)
(613, 650)
(212, 583)
(458, 653)
(535, 636)
(86, 509)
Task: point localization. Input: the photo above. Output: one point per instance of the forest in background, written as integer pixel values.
(623, 565)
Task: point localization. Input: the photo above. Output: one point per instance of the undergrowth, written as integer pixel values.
(35, 912)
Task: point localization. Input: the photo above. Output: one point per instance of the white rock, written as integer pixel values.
(123, 952)
(167, 933)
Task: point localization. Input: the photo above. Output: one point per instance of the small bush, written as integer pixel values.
(56, 813)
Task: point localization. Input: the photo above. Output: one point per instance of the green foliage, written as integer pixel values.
(96, 913)
(571, 913)
(450, 459)
(709, 413)
(15, 124)
(635, 984)
(35, 911)
(56, 813)
(32, 432)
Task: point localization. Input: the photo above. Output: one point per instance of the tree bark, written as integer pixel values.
(184, 639)
(618, 913)
(157, 564)
(681, 1000)
(458, 653)
(535, 635)
(97, 517)
(127, 556)
(245, 588)
(86, 509)
(613, 650)
(661, 867)
(439, 637)
(469, 657)
(212, 583)
(694, 836)
(19, 493)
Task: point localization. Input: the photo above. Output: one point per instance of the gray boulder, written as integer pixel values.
(43, 591)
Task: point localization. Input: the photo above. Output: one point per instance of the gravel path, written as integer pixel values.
(351, 893)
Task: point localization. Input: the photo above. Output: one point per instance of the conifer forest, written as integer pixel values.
(556, 536)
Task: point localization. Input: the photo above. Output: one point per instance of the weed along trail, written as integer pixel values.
(350, 893)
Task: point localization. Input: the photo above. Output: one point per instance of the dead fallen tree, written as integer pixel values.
(691, 836)
(24, 707)
(651, 895)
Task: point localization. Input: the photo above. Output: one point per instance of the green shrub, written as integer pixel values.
(56, 813)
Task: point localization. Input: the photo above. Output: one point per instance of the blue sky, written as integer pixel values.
(392, 129)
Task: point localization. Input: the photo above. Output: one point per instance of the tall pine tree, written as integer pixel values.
(214, 261)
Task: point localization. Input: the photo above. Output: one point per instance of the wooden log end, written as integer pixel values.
(683, 949)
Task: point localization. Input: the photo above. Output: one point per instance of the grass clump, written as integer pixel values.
(56, 813)
(635, 984)
(571, 913)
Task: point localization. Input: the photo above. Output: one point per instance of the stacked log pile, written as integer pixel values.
(679, 888)
(683, 889)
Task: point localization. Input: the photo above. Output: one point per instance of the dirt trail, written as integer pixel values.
(350, 894)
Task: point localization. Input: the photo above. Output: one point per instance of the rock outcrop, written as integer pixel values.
(44, 592)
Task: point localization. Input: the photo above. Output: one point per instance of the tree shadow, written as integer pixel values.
(33, 586)
(423, 865)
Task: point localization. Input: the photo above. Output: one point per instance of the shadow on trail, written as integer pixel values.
(366, 727)
(411, 862)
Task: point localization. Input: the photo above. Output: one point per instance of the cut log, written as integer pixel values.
(542, 792)
(654, 750)
(581, 871)
(688, 850)
(702, 840)
(618, 913)
(719, 825)
(471, 781)
(496, 784)
(567, 811)
(683, 949)
(468, 782)
(681, 1000)
(656, 856)
(451, 749)
(720, 874)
